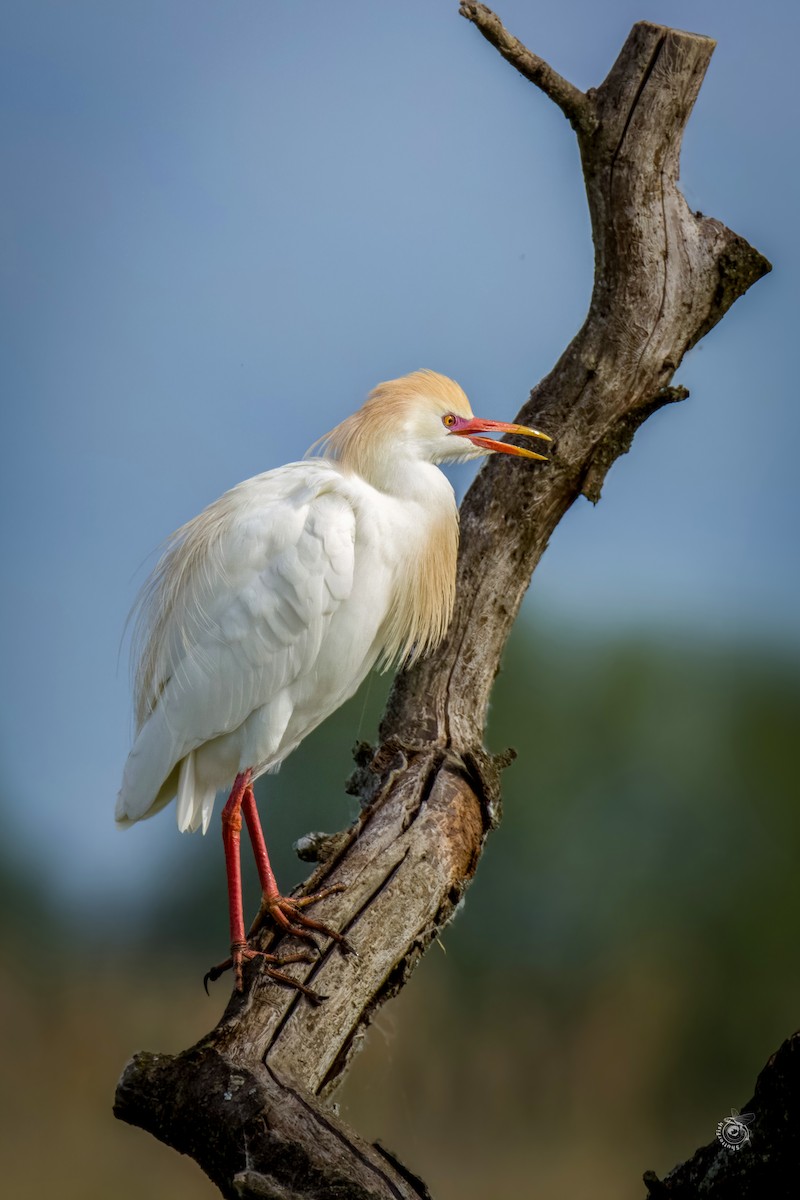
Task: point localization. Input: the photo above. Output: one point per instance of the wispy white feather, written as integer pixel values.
(172, 608)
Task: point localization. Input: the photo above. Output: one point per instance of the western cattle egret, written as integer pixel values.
(268, 609)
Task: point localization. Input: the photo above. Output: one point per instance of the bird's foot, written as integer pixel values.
(287, 913)
(241, 953)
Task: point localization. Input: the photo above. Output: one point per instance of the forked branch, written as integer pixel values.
(246, 1103)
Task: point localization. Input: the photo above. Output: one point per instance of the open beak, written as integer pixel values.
(477, 425)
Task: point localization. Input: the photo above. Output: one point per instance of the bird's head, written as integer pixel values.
(422, 417)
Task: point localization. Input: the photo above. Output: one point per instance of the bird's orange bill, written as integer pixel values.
(477, 425)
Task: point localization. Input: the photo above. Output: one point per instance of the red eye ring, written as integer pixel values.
(449, 420)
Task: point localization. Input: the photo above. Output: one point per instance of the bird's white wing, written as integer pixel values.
(235, 613)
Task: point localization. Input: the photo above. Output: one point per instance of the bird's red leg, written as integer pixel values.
(286, 911)
(240, 951)
(231, 837)
(241, 800)
(250, 810)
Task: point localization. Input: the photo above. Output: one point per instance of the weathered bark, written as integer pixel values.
(663, 277)
(768, 1167)
(254, 1133)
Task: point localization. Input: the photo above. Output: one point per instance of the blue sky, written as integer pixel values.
(222, 224)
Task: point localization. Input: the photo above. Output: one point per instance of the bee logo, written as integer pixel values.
(733, 1131)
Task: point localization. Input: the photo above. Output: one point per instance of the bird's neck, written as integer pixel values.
(391, 465)
(424, 590)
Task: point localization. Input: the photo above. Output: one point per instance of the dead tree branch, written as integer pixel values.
(769, 1166)
(246, 1102)
(569, 99)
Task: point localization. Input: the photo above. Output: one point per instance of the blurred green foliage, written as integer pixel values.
(624, 964)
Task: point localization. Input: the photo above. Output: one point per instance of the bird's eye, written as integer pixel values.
(449, 420)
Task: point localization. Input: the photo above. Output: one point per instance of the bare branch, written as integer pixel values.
(270, 1143)
(571, 100)
(769, 1164)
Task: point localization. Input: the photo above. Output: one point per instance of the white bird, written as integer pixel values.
(268, 609)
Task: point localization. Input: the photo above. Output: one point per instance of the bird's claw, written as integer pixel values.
(304, 901)
(242, 953)
(287, 914)
(213, 973)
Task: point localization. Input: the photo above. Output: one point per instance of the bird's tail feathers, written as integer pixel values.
(195, 805)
